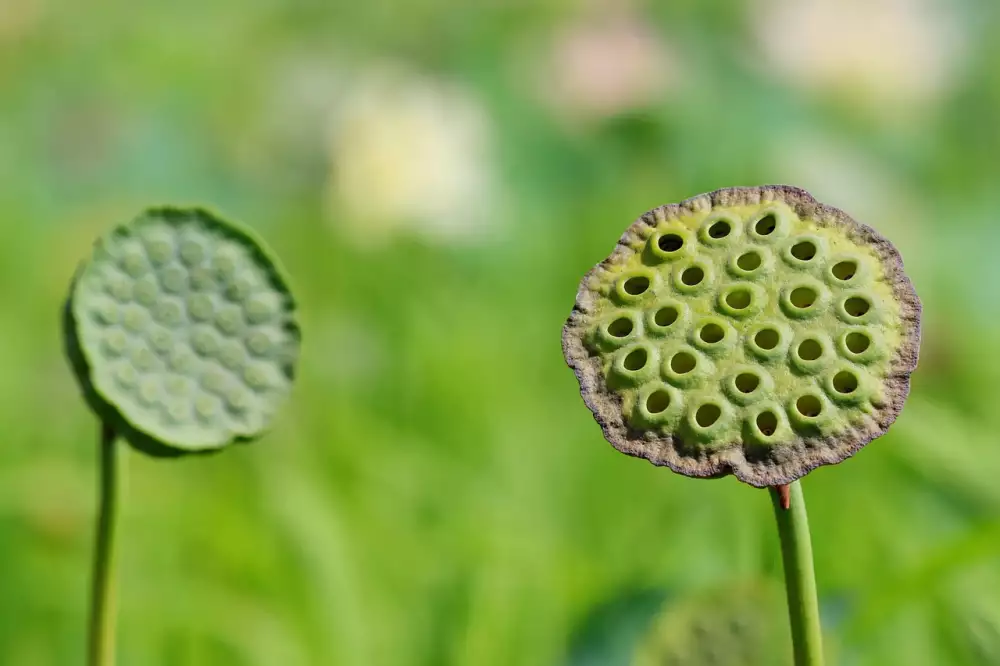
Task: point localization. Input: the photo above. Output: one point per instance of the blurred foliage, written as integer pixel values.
(437, 493)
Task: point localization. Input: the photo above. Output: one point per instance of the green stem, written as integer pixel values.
(101, 642)
(800, 580)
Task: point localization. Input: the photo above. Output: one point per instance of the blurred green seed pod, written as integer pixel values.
(742, 625)
(786, 330)
(182, 332)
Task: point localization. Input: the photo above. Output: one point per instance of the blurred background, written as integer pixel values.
(437, 176)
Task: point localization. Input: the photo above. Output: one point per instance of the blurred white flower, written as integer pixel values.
(887, 54)
(410, 154)
(603, 63)
(850, 179)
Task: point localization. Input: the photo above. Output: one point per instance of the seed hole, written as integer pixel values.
(712, 333)
(683, 363)
(803, 297)
(670, 242)
(720, 229)
(738, 299)
(665, 316)
(747, 382)
(657, 402)
(620, 327)
(766, 225)
(636, 359)
(749, 261)
(857, 306)
(636, 285)
(809, 405)
(804, 250)
(692, 276)
(707, 415)
(858, 343)
(810, 350)
(845, 270)
(845, 382)
(767, 423)
(767, 339)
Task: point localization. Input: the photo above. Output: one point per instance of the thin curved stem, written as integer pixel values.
(101, 639)
(800, 580)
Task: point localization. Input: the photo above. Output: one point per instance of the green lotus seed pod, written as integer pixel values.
(182, 332)
(750, 331)
(739, 626)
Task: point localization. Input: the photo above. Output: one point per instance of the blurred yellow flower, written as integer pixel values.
(886, 54)
(409, 154)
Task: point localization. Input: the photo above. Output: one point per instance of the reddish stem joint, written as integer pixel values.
(784, 494)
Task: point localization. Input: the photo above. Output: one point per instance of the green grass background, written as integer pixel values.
(437, 493)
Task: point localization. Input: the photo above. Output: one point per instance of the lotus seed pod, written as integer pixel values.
(749, 331)
(182, 332)
(741, 626)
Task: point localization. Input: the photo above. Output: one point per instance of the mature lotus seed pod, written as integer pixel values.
(739, 626)
(749, 331)
(181, 330)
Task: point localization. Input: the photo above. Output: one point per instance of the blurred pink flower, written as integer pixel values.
(886, 54)
(410, 154)
(605, 62)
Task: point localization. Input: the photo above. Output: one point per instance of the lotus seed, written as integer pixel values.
(176, 385)
(143, 359)
(168, 313)
(229, 319)
(134, 263)
(106, 313)
(236, 400)
(259, 342)
(161, 340)
(149, 391)
(182, 360)
(115, 342)
(192, 252)
(232, 355)
(240, 288)
(205, 342)
(174, 279)
(214, 380)
(120, 287)
(178, 412)
(160, 251)
(206, 406)
(146, 291)
(261, 308)
(126, 376)
(200, 307)
(225, 265)
(201, 278)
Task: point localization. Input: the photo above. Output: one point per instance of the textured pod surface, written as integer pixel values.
(750, 331)
(181, 330)
(742, 626)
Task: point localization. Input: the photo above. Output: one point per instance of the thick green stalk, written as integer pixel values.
(800, 580)
(101, 640)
